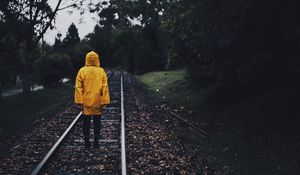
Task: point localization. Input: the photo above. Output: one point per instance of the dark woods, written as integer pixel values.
(243, 43)
(240, 42)
(22, 25)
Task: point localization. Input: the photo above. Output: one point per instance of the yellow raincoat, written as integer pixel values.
(91, 88)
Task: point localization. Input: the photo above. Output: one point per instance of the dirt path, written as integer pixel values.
(19, 90)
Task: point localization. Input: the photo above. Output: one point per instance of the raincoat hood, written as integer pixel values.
(92, 59)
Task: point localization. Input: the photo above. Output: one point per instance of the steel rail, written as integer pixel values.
(123, 150)
(195, 128)
(41, 165)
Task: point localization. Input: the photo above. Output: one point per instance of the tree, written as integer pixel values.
(27, 22)
(52, 68)
(100, 41)
(78, 58)
(72, 37)
(58, 43)
(118, 40)
(238, 42)
(70, 45)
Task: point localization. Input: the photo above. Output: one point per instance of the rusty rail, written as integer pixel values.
(195, 128)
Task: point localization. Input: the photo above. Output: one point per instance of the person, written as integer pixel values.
(92, 95)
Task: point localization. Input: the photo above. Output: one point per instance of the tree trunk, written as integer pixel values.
(1, 86)
(23, 54)
(25, 83)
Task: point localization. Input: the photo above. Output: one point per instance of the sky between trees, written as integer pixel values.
(85, 22)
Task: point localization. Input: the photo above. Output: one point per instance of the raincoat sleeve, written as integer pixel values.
(78, 99)
(105, 98)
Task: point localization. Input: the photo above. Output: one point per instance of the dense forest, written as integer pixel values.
(241, 43)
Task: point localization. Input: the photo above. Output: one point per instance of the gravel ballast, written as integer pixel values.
(154, 144)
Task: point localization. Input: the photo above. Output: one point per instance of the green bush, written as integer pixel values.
(52, 68)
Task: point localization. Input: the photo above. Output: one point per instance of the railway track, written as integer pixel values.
(153, 145)
(68, 155)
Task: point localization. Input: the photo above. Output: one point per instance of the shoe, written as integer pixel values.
(87, 143)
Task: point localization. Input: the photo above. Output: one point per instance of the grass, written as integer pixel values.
(165, 85)
(163, 81)
(172, 88)
(19, 111)
(250, 133)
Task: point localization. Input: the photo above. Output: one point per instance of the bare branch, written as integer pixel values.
(72, 5)
(52, 16)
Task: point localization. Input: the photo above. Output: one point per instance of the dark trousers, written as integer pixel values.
(87, 123)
